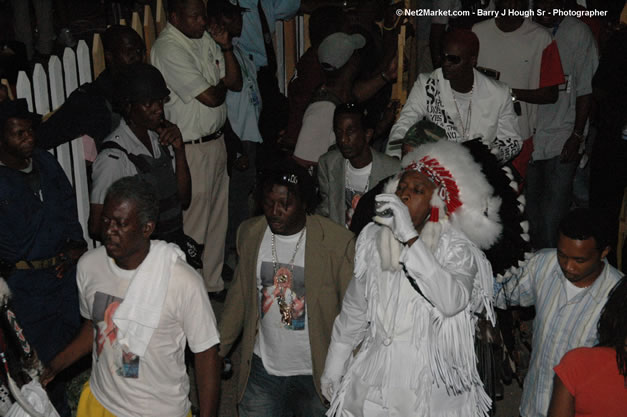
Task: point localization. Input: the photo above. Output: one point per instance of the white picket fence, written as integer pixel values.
(48, 91)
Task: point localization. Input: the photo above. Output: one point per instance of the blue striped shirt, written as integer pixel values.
(560, 324)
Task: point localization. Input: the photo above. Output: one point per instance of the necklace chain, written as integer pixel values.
(284, 280)
(465, 127)
(275, 258)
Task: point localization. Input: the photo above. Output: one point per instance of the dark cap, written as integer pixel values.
(141, 82)
(16, 109)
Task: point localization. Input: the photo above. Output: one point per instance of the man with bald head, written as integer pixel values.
(465, 103)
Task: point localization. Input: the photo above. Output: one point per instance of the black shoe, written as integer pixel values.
(218, 296)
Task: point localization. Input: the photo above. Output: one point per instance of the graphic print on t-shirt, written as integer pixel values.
(351, 199)
(126, 363)
(288, 284)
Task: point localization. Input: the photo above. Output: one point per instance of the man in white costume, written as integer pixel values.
(461, 100)
(420, 281)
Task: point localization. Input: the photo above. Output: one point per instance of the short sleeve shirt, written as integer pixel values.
(113, 164)
(190, 66)
(155, 384)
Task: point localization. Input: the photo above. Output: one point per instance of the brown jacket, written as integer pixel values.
(329, 258)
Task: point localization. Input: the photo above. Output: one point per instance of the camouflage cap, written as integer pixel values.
(420, 133)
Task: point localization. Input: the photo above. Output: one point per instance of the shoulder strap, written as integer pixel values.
(139, 162)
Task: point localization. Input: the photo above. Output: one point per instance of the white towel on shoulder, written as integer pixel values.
(138, 315)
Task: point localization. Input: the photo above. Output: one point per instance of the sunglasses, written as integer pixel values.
(453, 59)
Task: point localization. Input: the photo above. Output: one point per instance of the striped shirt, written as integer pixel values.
(560, 324)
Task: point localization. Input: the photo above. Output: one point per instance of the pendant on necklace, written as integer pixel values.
(387, 341)
(285, 310)
(283, 277)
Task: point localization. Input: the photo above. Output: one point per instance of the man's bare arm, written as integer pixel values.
(233, 73)
(208, 366)
(78, 347)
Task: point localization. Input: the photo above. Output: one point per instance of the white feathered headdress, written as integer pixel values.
(463, 195)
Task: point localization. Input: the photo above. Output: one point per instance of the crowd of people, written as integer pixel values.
(377, 264)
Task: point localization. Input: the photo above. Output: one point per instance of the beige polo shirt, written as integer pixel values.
(189, 67)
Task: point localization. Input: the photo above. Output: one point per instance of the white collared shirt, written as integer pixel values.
(189, 67)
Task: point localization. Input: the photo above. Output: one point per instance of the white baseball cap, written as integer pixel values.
(336, 49)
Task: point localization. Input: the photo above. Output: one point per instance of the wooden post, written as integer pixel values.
(399, 92)
(97, 55)
(289, 39)
(136, 24)
(5, 83)
(306, 31)
(160, 19)
(149, 30)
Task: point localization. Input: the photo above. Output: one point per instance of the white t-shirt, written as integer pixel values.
(572, 290)
(316, 134)
(157, 383)
(356, 184)
(556, 121)
(113, 164)
(524, 60)
(283, 348)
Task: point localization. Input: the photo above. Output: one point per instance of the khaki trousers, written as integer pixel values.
(206, 218)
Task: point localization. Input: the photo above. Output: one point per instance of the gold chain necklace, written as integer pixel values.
(283, 278)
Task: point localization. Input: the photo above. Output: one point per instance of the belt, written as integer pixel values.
(207, 138)
(39, 263)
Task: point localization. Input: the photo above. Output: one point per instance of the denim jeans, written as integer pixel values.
(279, 396)
(548, 194)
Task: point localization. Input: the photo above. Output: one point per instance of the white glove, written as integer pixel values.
(400, 222)
(329, 387)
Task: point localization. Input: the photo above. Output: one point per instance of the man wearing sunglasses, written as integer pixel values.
(461, 100)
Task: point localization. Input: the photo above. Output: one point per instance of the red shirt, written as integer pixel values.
(591, 376)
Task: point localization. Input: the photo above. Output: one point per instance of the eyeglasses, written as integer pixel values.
(453, 59)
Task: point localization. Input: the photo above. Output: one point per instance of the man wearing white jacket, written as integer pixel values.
(465, 103)
(420, 280)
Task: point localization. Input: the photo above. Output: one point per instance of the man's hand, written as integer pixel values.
(220, 35)
(169, 134)
(400, 222)
(328, 387)
(70, 255)
(48, 375)
(570, 151)
(241, 163)
(391, 72)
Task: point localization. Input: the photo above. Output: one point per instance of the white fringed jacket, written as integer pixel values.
(417, 354)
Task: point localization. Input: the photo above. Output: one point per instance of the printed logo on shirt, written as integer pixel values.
(351, 199)
(125, 364)
(283, 295)
(436, 111)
